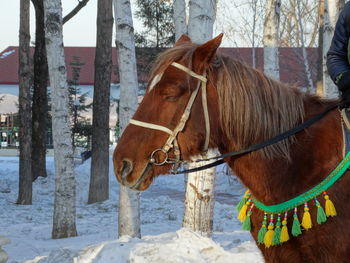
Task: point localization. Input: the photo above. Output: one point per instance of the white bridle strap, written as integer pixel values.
(181, 125)
(188, 71)
(151, 126)
(155, 80)
(206, 115)
(171, 142)
(204, 99)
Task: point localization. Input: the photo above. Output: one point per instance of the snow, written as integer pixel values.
(163, 239)
(181, 246)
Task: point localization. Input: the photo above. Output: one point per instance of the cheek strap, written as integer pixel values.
(171, 141)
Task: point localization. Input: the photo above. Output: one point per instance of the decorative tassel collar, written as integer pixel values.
(276, 231)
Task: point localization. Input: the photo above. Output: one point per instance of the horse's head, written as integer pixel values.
(161, 131)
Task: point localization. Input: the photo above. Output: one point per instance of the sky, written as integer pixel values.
(80, 31)
(234, 19)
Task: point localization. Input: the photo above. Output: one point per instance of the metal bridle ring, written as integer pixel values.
(152, 160)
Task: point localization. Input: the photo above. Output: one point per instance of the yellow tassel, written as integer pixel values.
(243, 212)
(329, 207)
(284, 232)
(306, 221)
(269, 236)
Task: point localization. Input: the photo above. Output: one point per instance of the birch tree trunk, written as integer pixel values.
(180, 18)
(99, 186)
(25, 145)
(201, 20)
(319, 84)
(303, 49)
(64, 206)
(129, 201)
(199, 200)
(271, 38)
(331, 13)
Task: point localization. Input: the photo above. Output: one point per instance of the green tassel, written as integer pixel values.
(243, 201)
(296, 230)
(241, 204)
(277, 235)
(261, 234)
(262, 231)
(246, 223)
(321, 215)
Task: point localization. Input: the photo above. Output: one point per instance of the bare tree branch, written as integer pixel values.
(72, 13)
(302, 40)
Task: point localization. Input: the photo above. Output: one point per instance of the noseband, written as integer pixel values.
(171, 142)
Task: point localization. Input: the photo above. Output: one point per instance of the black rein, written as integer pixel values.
(263, 144)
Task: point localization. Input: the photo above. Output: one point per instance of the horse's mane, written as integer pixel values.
(253, 107)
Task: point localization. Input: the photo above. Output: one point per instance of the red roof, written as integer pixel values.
(291, 65)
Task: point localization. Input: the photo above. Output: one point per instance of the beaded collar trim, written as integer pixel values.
(277, 232)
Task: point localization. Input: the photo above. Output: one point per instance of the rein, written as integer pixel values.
(263, 144)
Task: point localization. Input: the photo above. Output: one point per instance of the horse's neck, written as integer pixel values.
(314, 155)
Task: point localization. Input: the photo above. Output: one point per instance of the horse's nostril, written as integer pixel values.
(126, 168)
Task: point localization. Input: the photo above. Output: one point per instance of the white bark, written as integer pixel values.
(180, 18)
(254, 6)
(64, 207)
(201, 20)
(129, 201)
(199, 200)
(271, 38)
(303, 48)
(331, 13)
(3, 255)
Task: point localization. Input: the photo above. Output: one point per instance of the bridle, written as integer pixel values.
(171, 142)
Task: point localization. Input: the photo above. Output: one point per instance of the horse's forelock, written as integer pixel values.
(183, 52)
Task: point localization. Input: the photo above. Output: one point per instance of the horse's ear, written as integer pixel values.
(182, 40)
(205, 52)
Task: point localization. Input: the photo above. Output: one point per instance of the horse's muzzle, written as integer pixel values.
(126, 175)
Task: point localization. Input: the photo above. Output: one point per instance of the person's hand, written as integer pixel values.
(344, 86)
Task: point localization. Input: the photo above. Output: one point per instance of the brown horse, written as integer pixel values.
(245, 107)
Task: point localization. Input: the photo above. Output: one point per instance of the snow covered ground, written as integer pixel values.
(163, 239)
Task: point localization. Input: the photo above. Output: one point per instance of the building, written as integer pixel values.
(291, 66)
(8, 130)
(291, 71)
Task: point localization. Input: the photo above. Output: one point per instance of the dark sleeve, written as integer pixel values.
(337, 56)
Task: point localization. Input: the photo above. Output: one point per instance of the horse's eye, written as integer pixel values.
(171, 98)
